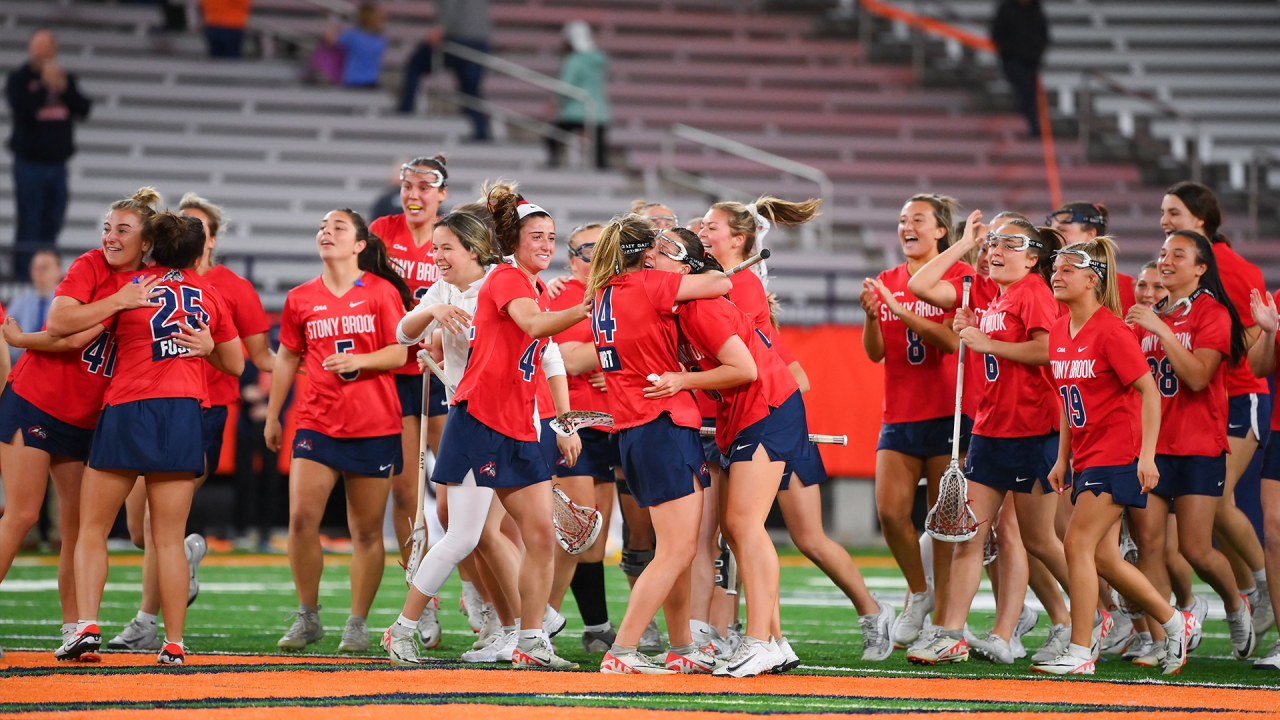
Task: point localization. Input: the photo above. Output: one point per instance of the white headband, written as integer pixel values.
(763, 226)
(525, 208)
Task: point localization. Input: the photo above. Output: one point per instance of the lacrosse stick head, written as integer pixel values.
(951, 519)
(574, 420)
(577, 527)
(418, 541)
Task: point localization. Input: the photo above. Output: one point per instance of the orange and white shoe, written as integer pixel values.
(1177, 645)
(81, 643)
(539, 656)
(695, 662)
(943, 649)
(173, 653)
(1101, 629)
(1065, 664)
(634, 663)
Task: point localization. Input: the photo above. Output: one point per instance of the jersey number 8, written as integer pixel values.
(1166, 379)
(915, 348)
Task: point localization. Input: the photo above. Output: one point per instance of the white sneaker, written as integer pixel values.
(429, 625)
(1065, 664)
(355, 635)
(552, 622)
(1142, 644)
(1243, 640)
(1270, 661)
(489, 652)
(1056, 644)
(943, 649)
(911, 622)
(634, 663)
(1199, 608)
(790, 661)
(753, 657)
(540, 655)
(509, 641)
(1027, 621)
(1121, 635)
(1264, 616)
(195, 547)
(137, 635)
(723, 647)
(471, 604)
(1102, 626)
(877, 634)
(925, 639)
(1176, 646)
(651, 641)
(993, 648)
(399, 643)
(305, 630)
(490, 625)
(696, 662)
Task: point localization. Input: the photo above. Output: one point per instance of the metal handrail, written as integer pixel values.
(1261, 158)
(590, 108)
(1086, 117)
(826, 190)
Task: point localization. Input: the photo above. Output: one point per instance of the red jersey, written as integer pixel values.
(1016, 400)
(1127, 297)
(499, 384)
(749, 295)
(913, 369)
(705, 326)
(245, 309)
(1192, 423)
(316, 323)
(635, 333)
(982, 293)
(1239, 276)
(582, 396)
(150, 364)
(1275, 407)
(1094, 372)
(70, 385)
(417, 265)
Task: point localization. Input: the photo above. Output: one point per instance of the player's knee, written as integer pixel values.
(1197, 554)
(24, 518)
(635, 561)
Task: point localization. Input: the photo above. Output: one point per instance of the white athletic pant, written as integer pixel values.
(468, 509)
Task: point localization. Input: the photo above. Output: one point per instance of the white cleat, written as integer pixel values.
(877, 634)
(429, 625)
(1243, 639)
(1065, 664)
(490, 651)
(634, 663)
(752, 658)
(911, 622)
(1198, 608)
(993, 648)
(552, 622)
(1056, 644)
(400, 645)
(1027, 621)
(195, 548)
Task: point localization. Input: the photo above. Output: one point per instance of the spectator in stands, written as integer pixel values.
(32, 307)
(224, 24)
(585, 67)
(362, 46)
(43, 101)
(465, 22)
(1020, 32)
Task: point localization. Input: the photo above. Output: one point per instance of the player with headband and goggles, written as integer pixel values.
(665, 244)
(1077, 213)
(429, 167)
(1013, 242)
(1082, 260)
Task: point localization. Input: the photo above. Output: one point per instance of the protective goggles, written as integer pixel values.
(1184, 304)
(1083, 261)
(436, 177)
(1067, 217)
(583, 252)
(665, 218)
(1015, 242)
(680, 255)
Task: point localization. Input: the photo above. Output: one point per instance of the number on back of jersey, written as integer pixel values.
(99, 356)
(181, 304)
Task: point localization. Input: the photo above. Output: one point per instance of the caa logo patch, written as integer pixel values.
(318, 308)
(304, 444)
(38, 431)
(490, 469)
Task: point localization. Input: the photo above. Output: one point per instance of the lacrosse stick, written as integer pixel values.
(816, 439)
(726, 567)
(762, 255)
(572, 421)
(951, 519)
(418, 538)
(436, 370)
(576, 526)
(990, 551)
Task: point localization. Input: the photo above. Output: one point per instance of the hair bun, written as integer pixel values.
(440, 158)
(148, 196)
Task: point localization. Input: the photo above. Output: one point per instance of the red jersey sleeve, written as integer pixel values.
(250, 317)
(1124, 355)
(82, 279)
(224, 328)
(1037, 313)
(505, 287)
(662, 288)
(707, 324)
(290, 330)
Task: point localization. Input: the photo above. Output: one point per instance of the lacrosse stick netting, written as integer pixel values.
(576, 526)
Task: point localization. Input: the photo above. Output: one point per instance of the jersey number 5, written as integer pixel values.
(346, 346)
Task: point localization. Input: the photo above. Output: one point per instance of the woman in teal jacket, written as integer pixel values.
(585, 66)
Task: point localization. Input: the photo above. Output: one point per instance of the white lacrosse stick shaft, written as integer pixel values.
(955, 428)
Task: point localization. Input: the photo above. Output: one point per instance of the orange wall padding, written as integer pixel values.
(845, 396)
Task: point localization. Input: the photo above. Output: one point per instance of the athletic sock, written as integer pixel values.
(528, 638)
(313, 609)
(1175, 625)
(952, 634)
(588, 591)
(146, 617)
(601, 628)
(175, 642)
(683, 649)
(698, 627)
(620, 649)
(405, 622)
(1079, 651)
(1260, 577)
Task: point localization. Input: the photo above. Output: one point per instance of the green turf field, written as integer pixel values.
(242, 609)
